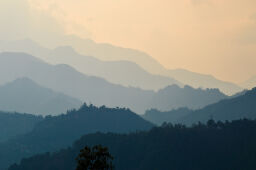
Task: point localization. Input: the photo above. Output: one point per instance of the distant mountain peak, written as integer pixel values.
(28, 41)
(22, 81)
(65, 49)
(26, 96)
(170, 87)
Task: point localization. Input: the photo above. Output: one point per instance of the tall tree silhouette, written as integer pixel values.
(95, 158)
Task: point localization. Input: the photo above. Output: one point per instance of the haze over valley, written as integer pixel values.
(127, 85)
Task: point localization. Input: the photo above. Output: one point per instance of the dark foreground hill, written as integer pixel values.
(234, 108)
(57, 132)
(25, 96)
(13, 124)
(215, 146)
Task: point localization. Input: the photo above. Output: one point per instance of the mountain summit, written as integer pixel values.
(25, 96)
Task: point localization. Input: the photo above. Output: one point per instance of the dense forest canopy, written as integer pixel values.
(211, 146)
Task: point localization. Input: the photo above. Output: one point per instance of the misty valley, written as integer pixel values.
(127, 85)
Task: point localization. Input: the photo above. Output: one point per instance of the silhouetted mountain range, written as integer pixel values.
(13, 124)
(116, 54)
(124, 73)
(233, 108)
(55, 132)
(215, 146)
(66, 80)
(110, 52)
(60, 93)
(25, 96)
(229, 109)
(202, 80)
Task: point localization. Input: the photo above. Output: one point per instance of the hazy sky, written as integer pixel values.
(215, 37)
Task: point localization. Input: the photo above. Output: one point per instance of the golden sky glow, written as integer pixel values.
(215, 37)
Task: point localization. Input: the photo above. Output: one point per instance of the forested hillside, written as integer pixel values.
(13, 124)
(56, 132)
(215, 146)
